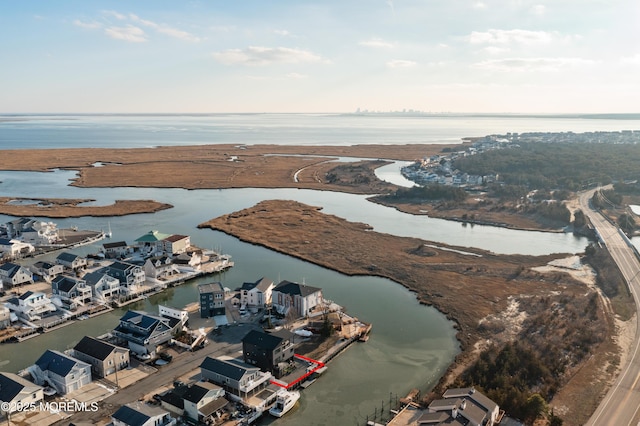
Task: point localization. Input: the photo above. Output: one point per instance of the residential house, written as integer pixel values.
(130, 276)
(46, 270)
(14, 249)
(269, 352)
(179, 314)
(12, 274)
(151, 242)
(176, 244)
(31, 306)
(63, 373)
(211, 299)
(103, 287)
(192, 258)
(71, 261)
(143, 333)
(104, 358)
(477, 399)
(5, 317)
(301, 298)
(257, 294)
(160, 267)
(72, 291)
(40, 233)
(199, 402)
(140, 414)
(16, 392)
(116, 250)
(239, 380)
(15, 227)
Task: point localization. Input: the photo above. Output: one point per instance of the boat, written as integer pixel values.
(284, 402)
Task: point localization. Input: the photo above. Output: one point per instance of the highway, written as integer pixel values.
(621, 405)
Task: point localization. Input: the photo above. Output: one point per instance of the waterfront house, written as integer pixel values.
(143, 333)
(116, 250)
(31, 306)
(457, 406)
(176, 244)
(13, 249)
(239, 380)
(71, 261)
(5, 317)
(160, 267)
(151, 242)
(103, 287)
(192, 257)
(63, 373)
(179, 314)
(15, 227)
(257, 294)
(105, 358)
(300, 298)
(17, 392)
(199, 402)
(140, 414)
(46, 270)
(211, 299)
(72, 291)
(130, 276)
(269, 352)
(12, 274)
(39, 233)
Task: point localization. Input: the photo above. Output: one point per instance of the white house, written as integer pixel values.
(12, 274)
(30, 306)
(159, 267)
(301, 298)
(13, 249)
(62, 372)
(104, 288)
(257, 294)
(176, 244)
(46, 270)
(40, 233)
(16, 392)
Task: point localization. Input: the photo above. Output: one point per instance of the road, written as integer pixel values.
(621, 405)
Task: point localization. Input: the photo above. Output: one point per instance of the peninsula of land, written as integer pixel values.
(495, 300)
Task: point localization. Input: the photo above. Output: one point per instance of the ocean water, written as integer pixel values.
(132, 131)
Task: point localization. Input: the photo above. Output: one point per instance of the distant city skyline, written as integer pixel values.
(459, 56)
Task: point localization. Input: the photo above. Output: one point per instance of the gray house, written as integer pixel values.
(62, 372)
(139, 414)
(71, 260)
(238, 379)
(71, 290)
(12, 274)
(143, 333)
(103, 287)
(211, 299)
(105, 358)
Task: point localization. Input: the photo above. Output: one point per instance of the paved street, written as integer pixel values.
(621, 405)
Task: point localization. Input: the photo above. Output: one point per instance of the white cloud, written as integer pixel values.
(165, 29)
(538, 9)
(257, 55)
(87, 25)
(129, 33)
(114, 14)
(495, 50)
(400, 63)
(532, 64)
(479, 5)
(525, 37)
(377, 43)
(283, 33)
(631, 60)
(296, 76)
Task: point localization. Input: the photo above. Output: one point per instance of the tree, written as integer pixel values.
(535, 407)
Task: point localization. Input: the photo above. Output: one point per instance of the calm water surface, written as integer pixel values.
(411, 345)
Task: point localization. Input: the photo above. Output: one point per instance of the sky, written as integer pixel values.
(214, 56)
